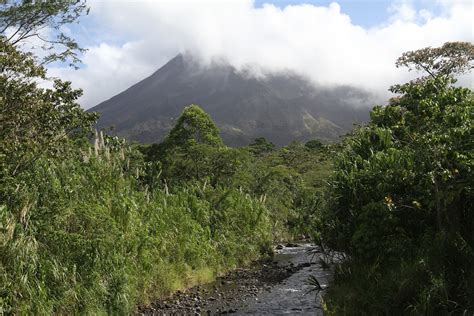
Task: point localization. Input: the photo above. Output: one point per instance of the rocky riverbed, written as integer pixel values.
(275, 287)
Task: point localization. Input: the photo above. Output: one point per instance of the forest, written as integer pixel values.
(93, 224)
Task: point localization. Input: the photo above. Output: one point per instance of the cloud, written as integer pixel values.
(320, 42)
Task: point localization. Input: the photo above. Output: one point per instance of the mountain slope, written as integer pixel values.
(281, 107)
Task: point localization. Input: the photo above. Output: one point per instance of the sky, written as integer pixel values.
(345, 42)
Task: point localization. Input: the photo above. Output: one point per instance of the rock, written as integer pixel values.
(239, 287)
(292, 245)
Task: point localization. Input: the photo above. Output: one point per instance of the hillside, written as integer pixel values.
(281, 107)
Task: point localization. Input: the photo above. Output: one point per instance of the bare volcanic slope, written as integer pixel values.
(281, 107)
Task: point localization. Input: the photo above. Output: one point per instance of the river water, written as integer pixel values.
(292, 295)
(276, 287)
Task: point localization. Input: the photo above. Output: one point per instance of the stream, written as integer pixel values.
(276, 287)
(292, 295)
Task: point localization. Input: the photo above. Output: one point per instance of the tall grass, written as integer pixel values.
(82, 235)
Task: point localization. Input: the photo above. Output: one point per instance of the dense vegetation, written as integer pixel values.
(92, 224)
(399, 206)
(96, 228)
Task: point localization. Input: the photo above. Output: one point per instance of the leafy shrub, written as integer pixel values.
(93, 240)
(400, 202)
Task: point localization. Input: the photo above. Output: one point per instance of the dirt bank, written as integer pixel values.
(272, 287)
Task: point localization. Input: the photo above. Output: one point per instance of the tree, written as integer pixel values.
(34, 122)
(21, 21)
(194, 126)
(314, 144)
(451, 59)
(187, 151)
(261, 146)
(401, 196)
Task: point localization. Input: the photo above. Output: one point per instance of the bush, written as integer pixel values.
(93, 240)
(400, 206)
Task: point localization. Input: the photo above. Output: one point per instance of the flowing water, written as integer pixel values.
(291, 296)
(277, 287)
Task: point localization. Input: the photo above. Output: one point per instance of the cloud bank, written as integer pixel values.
(320, 42)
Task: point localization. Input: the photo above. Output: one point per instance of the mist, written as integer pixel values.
(318, 42)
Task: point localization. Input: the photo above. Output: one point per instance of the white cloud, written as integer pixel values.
(403, 11)
(320, 42)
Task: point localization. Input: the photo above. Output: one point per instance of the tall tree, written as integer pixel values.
(194, 126)
(38, 25)
(187, 150)
(451, 59)
(35, 121)
(401, 196)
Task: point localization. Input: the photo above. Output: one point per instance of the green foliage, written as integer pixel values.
(194, 126)
(92, 225)
(450, 59)
(24, 20)
(400, 206)
(193, 150)
(101, 227)
(34, 121)
(288, 181)
(93, 240)
(291, 179)
(81, 228)
(314, 144)
(261, 146)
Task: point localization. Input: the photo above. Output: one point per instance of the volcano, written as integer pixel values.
(281, 107)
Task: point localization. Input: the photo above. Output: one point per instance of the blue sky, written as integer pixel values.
(366, 13)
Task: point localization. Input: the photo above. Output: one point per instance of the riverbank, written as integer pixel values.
(276, 286)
